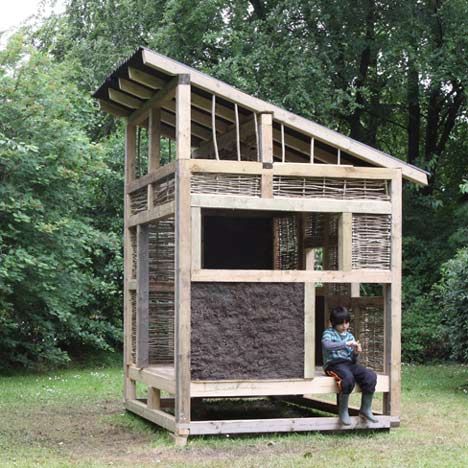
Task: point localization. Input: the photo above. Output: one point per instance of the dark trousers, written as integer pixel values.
(348, 373)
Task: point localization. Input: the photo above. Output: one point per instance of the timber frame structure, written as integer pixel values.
(334, 209)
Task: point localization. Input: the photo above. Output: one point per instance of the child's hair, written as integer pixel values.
(339, 315)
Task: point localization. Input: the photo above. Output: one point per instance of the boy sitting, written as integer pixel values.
(340, 351)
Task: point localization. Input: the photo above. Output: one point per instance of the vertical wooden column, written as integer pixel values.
(392, 305)
(345, 242)
(130, 172)
(183, 252)
(309, 318)
(266, 152)
(142, 299)
(197, 241)
(154, 148)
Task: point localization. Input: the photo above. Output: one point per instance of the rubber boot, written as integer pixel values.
(366, 407)
(343, 413)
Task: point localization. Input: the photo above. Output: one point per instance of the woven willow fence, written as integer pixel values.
(163, 192)
(325, 187)
(139, 201)
(286, 242)
(161, 296)
(372, 241)
(227, 184)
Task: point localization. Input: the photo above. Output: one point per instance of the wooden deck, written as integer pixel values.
(163, 378)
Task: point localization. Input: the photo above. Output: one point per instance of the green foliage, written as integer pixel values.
(452, 294)
(58, 272)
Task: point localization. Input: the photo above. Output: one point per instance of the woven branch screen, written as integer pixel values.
(161, 327)
(162, 251)
(133, 250)
(164, 190)
(372, 241)
(334, 188)
(286, 245)
(139, 201)
(227, 184)
(161, 303)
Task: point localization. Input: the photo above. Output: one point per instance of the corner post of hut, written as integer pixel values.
(183, 253)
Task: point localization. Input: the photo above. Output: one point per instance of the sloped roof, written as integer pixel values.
(136, 79)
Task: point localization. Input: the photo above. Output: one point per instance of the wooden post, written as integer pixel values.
(266, 152)
(345, 242)
(130, 164)
(309, 318)
(197, 241)
(183, 252)
(142, 303)
(392, 304)
(154, 398)
(154, 148)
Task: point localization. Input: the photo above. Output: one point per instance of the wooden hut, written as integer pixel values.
(236, 250)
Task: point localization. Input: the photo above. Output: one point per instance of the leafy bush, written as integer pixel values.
(452, 293)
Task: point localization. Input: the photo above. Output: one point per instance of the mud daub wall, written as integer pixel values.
(247, 331)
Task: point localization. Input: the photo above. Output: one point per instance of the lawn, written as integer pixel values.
(74, 417)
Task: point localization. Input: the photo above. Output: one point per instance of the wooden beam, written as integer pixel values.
(392, 294)
(124, 99)
(270, 387)
(146, 79)
(142, 301)
(164, 94)
(309, 318)
(292, 276)
(311, 129)
(154, 398)
(323, 205)
(284, 425)
(130, 157)
(345, 242)
(197, 247)
(137, 90)
(113, 109)
(266, 153)
(183, 254)
(152, 379)
(154, 148)
(159, 417)
(155, 214)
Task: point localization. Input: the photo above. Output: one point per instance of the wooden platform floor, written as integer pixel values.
(163, 378)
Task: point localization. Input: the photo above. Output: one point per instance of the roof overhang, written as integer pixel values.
(161, 69)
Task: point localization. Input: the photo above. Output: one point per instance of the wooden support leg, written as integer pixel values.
(154, 398)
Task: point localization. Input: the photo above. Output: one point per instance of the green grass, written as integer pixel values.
(74, 417)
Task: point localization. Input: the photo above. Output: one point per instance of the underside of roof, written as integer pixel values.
(135, 81)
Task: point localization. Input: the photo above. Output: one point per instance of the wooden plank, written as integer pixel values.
(266, 153)
(183, 254)
(270, 387)
(311, 129)
(284, 425)
(153, 379)
(155, 214)
(142, 301)
(345, 242)
(319, 205)
(292, 276)
(161, 173)
(164, 94)
(393, 305)
(309, 318)
(159, 417)
(196, 239)
(130, 164)
(124, 99)
(315, 403)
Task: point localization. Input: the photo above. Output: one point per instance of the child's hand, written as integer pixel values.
(352, 344)
(358, 348)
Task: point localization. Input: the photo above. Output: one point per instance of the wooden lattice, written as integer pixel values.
(334, 188)
(162, 251)
(227, 184)
(161, 327)
(372, 241)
